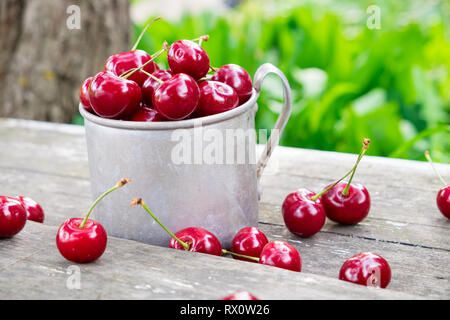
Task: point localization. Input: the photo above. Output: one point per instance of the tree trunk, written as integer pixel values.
(43, 60)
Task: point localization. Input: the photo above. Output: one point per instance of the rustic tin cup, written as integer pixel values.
(220, 196)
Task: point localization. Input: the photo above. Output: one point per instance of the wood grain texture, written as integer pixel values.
(48, 162)
(32, 268)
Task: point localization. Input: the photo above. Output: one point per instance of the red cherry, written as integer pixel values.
(83, 94)
(198, 239)
(367, 269)
(146, 114)
(282, 255)
(81, 244)
(248, 241)
(33, 209)
(177, 98)
(241, 295)
(124, 61)
(237, 78)
(112, 96)
(150, 84)
(443, 200)
(84, 240)
(185, 56)
(13, 216)
(216, 97)
(302, 215)
(346, 209)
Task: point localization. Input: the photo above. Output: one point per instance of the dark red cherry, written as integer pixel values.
(83, 94)
(114, 97)
(150, 85)
(443, 200)
(216, 97)
(198, 239)
(177, 98)
(346, 209)
(33, 209)
(13, 216)
(185, 56)
(146, 114)
(282, 255)
(367, 269)
(237, 78)
(240, 295)
(302, 215)
(81, 245)
(248, 241)
(124, 61)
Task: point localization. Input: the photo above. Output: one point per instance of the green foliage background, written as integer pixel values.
(389, 84)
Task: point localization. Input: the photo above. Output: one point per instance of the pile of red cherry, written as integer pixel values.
(132, 87)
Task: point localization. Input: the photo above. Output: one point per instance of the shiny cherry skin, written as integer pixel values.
(236, 77)
(113, 97)
(150, 85)
(146, 114)
(13, 216)
(83, 94)
(282, 255)
(33, 209)
(199, 240)
(367, 269)
(240, 295)
(248, 241)
(215, 97)
(302, 215)
(185, 56)
(81, 245)
(177, 98)
(124, 61)
(443, 200)
(349, 209)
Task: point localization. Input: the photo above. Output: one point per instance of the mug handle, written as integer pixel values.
(283, 118)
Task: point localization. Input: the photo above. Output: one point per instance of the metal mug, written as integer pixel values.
(220, 197)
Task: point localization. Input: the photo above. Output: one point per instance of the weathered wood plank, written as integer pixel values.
(131, 270)
(415, 269)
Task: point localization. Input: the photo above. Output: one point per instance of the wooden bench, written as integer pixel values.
(48, 162)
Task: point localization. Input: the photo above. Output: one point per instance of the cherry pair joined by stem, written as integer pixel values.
(13, 216)
(443, 195)
(305, 212)
(84, 240)
(367, 269)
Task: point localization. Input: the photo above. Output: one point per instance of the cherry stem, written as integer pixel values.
(428, 157)
(212, 69)
(143, 31)
(119, 184)
(201, 39)
(128, 73)
(141, 202)
(240, 255)
(152, 76)
(366, 143)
